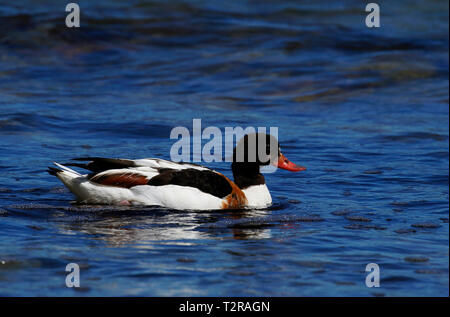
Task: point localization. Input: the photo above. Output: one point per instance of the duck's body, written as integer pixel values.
(158, 182)
(164, 183)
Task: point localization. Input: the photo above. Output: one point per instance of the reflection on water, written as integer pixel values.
(138, 227)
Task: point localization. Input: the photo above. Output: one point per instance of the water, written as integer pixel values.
(365, 110)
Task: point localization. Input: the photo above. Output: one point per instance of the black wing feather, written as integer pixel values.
(101, 164)
(208, 182)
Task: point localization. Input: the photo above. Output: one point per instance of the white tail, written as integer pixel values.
(66, 169)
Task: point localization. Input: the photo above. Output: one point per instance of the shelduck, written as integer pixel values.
(182, 186)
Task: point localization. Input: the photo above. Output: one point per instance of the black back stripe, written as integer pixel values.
(100, 164)
(207, 181)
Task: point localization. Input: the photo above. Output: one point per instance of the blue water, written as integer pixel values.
(365, 110)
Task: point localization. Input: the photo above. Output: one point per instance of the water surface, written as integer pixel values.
(365, 110)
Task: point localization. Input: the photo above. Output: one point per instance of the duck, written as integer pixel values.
(178, 185)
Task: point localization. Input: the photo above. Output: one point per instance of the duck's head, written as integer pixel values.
(259, 149)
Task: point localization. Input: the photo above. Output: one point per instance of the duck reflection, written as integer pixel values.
(144, 226)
